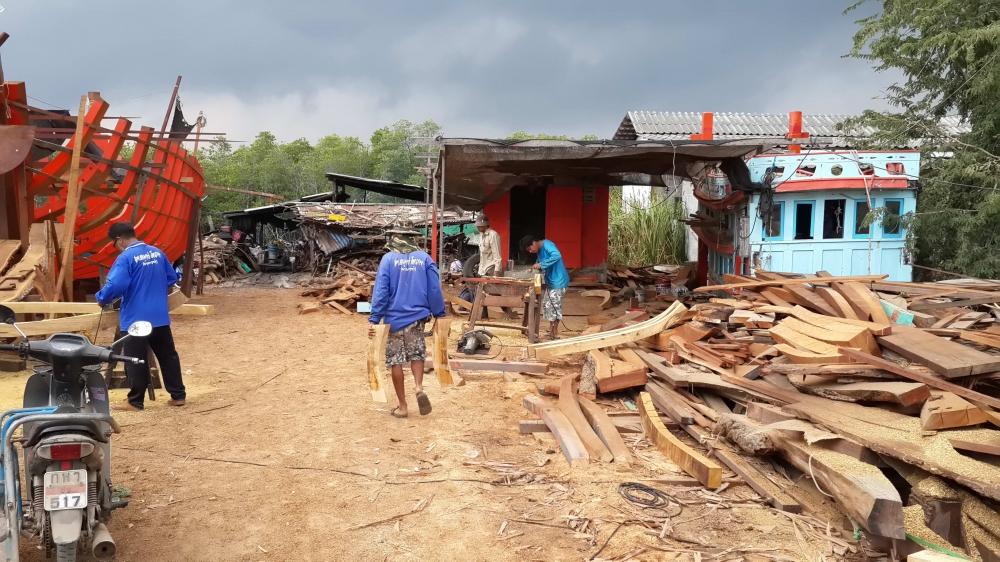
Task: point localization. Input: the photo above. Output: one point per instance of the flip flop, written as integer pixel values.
(395, 413)
(423, 403)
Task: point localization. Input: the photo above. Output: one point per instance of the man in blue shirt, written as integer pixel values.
(407, 292)
(556, 279)
(142, 276)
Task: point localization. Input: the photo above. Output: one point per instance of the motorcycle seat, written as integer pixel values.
(33, 433)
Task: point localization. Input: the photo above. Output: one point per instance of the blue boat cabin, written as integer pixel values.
(836, 211)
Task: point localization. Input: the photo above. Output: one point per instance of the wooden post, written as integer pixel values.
(194, 234)
(64, 283)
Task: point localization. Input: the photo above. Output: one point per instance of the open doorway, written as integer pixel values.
(527, 216)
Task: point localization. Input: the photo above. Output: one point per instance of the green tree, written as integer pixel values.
(949, 53)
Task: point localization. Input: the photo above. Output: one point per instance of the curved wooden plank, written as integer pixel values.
(785, 282)
(801, 357)
(606, 430)
(607, 339)
(836, 334)
(604, 294)
(837, 302)
(570, 408)
(706, 471)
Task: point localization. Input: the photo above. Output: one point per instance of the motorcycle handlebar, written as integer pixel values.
(9, 347)
(133, 360)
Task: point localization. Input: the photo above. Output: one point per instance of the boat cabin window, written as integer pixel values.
(805, 170)
(833, 218)
(803, 220)
(895, 168)
(867, 169)
(772, 222)
(891, 227)
(860, 212)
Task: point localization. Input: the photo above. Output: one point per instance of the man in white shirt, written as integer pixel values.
(490, 258)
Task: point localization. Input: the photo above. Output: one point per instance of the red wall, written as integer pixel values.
(498, 213)
(579, 228)
(595, 231)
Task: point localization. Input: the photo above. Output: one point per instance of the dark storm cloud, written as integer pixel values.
(306, 68)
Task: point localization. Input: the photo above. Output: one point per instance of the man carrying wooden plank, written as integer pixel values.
(556, 279)
(142, 276)
(407, 293)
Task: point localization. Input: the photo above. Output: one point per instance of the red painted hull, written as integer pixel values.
(161, 182)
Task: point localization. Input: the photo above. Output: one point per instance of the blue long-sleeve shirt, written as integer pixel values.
(551, 262)
(142, 277)
(407, 289)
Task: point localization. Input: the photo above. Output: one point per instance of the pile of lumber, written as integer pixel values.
(881, 395)
(222, 259)
(340, 293)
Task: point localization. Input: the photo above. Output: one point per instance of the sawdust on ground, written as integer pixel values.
(282, 455)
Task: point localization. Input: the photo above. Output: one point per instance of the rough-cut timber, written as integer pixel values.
(945, 357)
(442, 327)
(929, 380)
(691, 461)
(378, 378)
(606, 430)
(530, 367)
(570, 407)
(570, 443)
(897, 392)
(786, 282)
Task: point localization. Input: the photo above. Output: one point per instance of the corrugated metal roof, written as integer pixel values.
(680, 125)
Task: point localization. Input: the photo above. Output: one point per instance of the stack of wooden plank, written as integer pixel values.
(221, 259)
(857, 383)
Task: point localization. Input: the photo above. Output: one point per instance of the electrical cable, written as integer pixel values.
(648, 498)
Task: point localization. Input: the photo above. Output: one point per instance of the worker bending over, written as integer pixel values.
(407, 293)
(556, 279)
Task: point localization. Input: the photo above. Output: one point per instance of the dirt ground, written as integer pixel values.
(281, 454)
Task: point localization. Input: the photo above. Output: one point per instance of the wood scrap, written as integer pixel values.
(944, 410)
(896, 392)
(499, 366)
(439, 351)
(787, 282)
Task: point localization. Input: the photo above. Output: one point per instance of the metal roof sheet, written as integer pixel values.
(680, 125)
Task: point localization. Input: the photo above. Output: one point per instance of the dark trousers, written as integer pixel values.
(161, 341)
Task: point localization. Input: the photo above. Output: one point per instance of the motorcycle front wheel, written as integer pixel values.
(66, 552)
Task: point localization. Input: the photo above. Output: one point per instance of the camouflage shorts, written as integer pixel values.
(406, 345)
(552, 304)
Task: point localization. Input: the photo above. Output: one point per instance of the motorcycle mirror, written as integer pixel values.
(6, 315)
(140, 329)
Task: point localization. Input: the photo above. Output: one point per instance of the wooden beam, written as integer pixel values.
(708, 472)
(570, 408)
(64, 283)
(532, 426)
(378, 378)
(50, 307)
(561, 428)
(944, 410)
(861, 490)
(530, 367)
(929, 380)
(945, 357)
(602, 425)
(669, 401)
(787, 282)
(439, 337)
(608, 339)
(780, 420)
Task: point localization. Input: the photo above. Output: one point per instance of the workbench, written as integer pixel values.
(508, 293)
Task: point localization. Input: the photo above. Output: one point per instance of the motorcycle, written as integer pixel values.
(65, 441)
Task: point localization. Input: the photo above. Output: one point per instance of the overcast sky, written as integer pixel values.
(306, 68)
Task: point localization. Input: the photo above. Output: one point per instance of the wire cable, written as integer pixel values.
(648, 498)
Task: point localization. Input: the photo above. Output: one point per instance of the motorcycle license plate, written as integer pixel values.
(65, 489)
